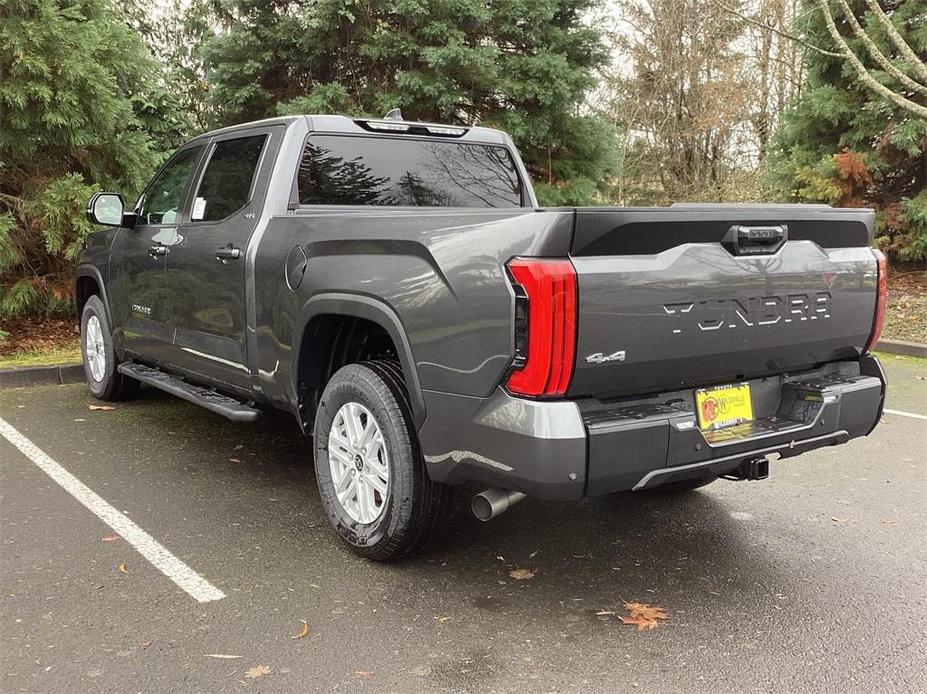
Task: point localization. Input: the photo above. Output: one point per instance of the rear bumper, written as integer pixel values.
(571, 449)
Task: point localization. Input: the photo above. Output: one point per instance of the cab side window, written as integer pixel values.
(226, 184)
(163, 196)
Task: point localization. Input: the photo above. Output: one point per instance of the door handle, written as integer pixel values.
(157, 251)
(228, 253)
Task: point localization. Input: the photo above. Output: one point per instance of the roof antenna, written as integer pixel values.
(394, 114)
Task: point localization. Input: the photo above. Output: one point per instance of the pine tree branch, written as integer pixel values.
(916, 63)
(864, 76)
(878, 55)
(779, 32)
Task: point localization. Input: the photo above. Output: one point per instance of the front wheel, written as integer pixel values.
(372, 479)
(100, 363)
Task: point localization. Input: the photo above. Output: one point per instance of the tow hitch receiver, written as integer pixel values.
(756, 469)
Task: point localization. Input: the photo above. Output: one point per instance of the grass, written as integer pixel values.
(35, 357)
(39, 341)
(888, 356)
(906, 317)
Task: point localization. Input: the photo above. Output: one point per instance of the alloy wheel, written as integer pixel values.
(95, 349)
(359, 463)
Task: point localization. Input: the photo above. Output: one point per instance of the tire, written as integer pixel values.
(682, 486)
(99, 357)
(404, 509)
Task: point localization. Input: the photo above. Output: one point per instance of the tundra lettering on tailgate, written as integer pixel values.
(715, 314)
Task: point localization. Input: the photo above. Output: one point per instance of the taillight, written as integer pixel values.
(881, 296)
(545, 325)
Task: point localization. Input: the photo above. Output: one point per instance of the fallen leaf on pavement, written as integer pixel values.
(522, 574)
(302, 632)
(222, 656)
(123, 568)
(839, 520)
(109, 538)
(889, 521)
(104, 408)
(643, 616)
(257, 671)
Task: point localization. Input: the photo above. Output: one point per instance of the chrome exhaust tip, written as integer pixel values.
(490, 503)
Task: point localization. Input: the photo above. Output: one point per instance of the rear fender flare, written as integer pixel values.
(368, 308)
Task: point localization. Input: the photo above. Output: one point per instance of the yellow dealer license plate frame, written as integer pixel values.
(723, 406)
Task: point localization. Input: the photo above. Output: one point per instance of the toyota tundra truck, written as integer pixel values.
(396, 287)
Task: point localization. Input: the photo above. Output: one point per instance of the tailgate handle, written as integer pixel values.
(755, 240)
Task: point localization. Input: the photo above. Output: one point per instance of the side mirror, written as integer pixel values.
(105, 209)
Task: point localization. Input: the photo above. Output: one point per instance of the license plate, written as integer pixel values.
(724, 406)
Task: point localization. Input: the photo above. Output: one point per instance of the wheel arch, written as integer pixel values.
(87, 282)
(364, 308)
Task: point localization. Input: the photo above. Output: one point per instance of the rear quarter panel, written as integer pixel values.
(440, 271)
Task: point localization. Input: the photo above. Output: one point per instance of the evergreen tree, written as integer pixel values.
(846, 141)
(79, 106)
(520, 65)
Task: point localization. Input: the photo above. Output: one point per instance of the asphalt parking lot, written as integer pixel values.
(812, 581)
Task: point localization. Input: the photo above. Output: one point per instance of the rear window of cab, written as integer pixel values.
(366, 170)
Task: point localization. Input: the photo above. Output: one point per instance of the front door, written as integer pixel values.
(140, 299)
(206, 266)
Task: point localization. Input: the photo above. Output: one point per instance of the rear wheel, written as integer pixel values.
(99, 357)
(372, 479)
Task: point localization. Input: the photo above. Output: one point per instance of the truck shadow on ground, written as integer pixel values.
(686, 550)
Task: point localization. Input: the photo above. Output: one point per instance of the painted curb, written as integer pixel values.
(908, 349)
(20, 376)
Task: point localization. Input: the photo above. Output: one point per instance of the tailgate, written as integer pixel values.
(699, 294)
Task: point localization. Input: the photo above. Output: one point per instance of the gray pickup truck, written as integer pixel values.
(396, 287)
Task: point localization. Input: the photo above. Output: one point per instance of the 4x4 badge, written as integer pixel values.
(601, 358)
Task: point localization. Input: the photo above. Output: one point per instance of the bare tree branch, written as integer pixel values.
(785, 35)
(878, 55)
(863, 74)
(910, 56)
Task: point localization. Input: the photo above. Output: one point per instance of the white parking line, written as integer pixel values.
(899, 413)
(186, 578)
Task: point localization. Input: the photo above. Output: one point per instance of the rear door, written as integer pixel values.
(139, 294)
(695, 295)
(206, 267)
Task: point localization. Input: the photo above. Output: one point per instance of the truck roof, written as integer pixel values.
(345, 124)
